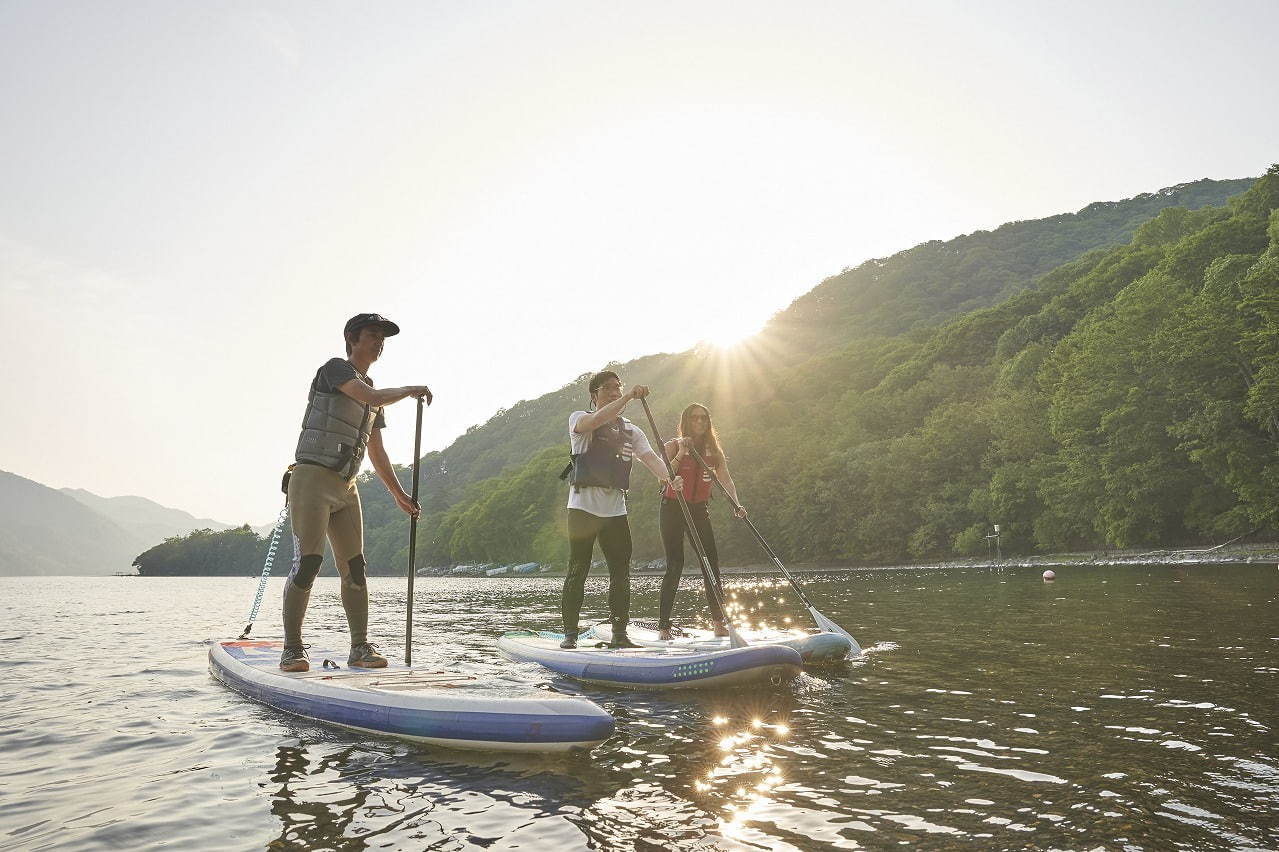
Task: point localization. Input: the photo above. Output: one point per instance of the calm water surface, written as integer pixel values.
(1118, 708)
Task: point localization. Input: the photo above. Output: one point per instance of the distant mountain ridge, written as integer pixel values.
(44, 531)
(49, 531)
(938, 280)
(146, 519)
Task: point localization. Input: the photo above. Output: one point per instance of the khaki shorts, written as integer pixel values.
(322, 502)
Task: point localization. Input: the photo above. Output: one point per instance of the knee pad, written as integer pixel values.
(307, 569)
(356, 566)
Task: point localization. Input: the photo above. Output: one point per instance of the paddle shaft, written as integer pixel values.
(823, 622)
(693, 537)
(772, 554)
(417, 466)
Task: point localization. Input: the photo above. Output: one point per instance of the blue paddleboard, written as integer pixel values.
(655, 668)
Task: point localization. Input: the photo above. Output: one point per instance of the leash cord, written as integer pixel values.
(266, 570)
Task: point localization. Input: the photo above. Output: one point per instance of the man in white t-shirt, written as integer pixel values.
(603, 444)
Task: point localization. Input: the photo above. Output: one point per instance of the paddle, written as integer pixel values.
(735, 638)
(822, 621)
(417, 465)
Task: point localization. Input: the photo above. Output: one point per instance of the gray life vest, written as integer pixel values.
(607, 460)
(335, 432)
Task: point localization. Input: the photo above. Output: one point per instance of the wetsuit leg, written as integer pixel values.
(293, 612)
(309, 516)
(671, 522)
(355, 600)
(583, 527)
(309, 508)
(615, 542)
(702, 523)
(346, 537)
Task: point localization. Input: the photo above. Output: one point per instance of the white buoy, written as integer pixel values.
(1049, 576)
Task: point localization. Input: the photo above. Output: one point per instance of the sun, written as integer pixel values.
(729, 331)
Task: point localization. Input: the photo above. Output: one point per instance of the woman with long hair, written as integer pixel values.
(695, 432)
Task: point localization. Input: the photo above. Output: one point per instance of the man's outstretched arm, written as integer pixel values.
(369, 395)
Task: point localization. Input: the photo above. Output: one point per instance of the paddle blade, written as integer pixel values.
(831, 627)
(735, 639)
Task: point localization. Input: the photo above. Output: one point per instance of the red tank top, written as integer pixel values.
(697, 482)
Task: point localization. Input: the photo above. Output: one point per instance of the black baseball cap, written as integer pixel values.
(359, 321)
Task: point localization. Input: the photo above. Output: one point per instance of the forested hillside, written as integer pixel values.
(938, 280)
(207, 552)
(1066, 403)
(1128, 399)
(145, 519)
(920, 287)
(1103, 379)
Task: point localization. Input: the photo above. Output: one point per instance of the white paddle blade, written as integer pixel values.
(735, 639)
(831, 627)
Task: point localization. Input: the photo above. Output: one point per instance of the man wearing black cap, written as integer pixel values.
(343, 420)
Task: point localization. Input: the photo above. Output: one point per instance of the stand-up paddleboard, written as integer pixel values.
(815, 649)
(440, 708)
(654, 668)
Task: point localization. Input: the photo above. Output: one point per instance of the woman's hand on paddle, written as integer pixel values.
(677, 484)
(407, 506)
(639, 391)
(419, 392)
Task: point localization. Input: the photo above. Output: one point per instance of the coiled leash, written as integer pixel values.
(266, 569)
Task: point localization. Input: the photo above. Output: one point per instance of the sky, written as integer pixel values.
(196, 196)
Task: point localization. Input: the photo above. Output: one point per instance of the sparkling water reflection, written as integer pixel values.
(1116, 708)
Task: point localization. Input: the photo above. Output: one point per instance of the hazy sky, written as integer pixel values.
(195, 196)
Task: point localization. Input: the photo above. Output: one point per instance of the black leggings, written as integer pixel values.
(614, 535)
(671, 520)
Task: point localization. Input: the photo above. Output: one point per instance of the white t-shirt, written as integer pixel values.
(601, 502)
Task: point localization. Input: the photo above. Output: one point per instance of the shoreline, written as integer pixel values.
(1247, 555)
(1244, 555)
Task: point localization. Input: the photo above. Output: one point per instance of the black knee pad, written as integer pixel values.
(356, 565)
(308, 568)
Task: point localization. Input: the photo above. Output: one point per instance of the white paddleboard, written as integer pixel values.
(440, 708)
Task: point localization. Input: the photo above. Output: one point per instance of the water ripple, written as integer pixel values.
(1119, 708)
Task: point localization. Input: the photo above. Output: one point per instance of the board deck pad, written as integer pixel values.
(452, 709)
(815, 648)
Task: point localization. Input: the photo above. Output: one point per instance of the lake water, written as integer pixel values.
(1117, 708)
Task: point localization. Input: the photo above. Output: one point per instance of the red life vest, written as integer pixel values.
(697, 481)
